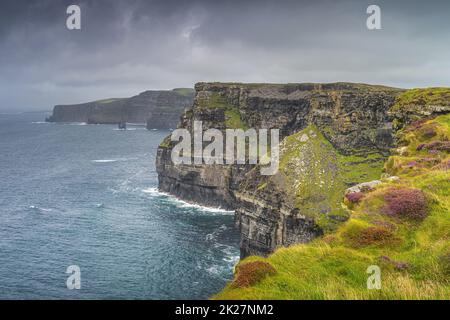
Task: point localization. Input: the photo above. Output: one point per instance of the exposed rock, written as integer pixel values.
(158, 109)
(363, 187)
(393, 178)
(304, 138)
(402, 151)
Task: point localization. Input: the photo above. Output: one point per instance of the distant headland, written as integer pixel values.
(157, 109)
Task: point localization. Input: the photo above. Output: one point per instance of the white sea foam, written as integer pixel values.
(155, 192)
(76, 123)
(65, 123)
(222, 269)
(40, 209)
(214, 235)
(214, 270)
(203, 208)
(232, 259)
(129, 129)
(105, 160)
(183, 204)
(113, 160)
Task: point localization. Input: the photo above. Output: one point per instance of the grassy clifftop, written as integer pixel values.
(401, 225)
(429, 96)
(417, 104)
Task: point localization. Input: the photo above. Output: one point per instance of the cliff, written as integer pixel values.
(398, 226)
(333, 136)
(158, 109)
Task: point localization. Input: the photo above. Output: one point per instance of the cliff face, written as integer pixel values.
(158, 109)
(333, 136)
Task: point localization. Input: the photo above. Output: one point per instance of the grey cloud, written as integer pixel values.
(126, 47)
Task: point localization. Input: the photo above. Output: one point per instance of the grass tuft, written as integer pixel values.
(371, 236)
(251, 273)
(355, 197)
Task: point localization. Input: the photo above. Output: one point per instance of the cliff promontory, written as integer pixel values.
(333, 136)
(158, 109)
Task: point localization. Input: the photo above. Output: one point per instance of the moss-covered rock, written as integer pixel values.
(317, 175)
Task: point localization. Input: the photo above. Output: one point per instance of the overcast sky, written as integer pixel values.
(125, 47)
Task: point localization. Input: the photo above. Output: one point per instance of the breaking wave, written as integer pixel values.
(129, 129)
(154, 192)
(112, 160)
(36, 208)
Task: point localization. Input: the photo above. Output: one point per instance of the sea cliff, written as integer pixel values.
(157, 109)
(333, 136)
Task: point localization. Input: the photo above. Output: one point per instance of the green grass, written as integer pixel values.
(184, 91)
(106, 101)
(233, 118)
(213, 101)
(166, 143)
(414, 256)
(428, 96)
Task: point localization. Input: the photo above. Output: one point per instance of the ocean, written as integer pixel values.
(86, 195)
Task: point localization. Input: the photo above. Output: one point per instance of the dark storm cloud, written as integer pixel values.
(126, 47)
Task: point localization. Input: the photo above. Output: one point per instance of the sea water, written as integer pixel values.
(86, 195)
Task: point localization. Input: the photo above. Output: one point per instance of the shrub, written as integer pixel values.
(330, 239)
(428, 133)
(398, 265)
(411, 164)
(355, 197)
(406, 203)
(416, 125)
(376, 235)
(435, 145)
(251, 273)
(421, 146)
(430, 160)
